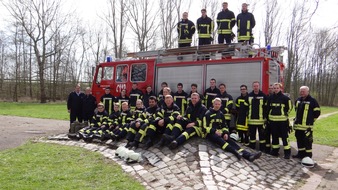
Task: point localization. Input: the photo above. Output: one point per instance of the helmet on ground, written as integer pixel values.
(308, 162)
(134, 157)
(234, 136)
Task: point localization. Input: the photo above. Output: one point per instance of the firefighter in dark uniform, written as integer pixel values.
(278, 108)
(210, 93)
(150, 116)
(241, 118)
(245, 23)
(138, 119)
(123, 97)
(99, 121)
(134, 95)
(227, 106)
(89, 105)
(74, 104)
(205, 27)
(256, 115)
(217, 132)
(180, 98)
(307, 111)
(188, 126)
(108, 100)
(194, 89)
(122, 124)
(161, 99)
(147, 95)
(186, 29)
(225, 22)
(165, 118)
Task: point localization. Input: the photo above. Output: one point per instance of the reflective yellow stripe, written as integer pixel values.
(152, 127)
(179, 126)
(275, 146)
(186, 135)
(225, 145)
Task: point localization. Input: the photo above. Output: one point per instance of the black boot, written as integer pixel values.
(255, 156)
(148, 144)
(160, 143)
(173, 145)
(235, 152)
(287, 154)
(134, 144)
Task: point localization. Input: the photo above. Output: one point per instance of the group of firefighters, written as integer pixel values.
(170, 118)
(225, 22)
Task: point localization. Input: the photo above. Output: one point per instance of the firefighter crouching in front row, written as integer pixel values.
(307, 111)
(217, 132)
(278, 108)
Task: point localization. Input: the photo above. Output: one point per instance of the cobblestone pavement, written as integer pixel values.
(200, 165)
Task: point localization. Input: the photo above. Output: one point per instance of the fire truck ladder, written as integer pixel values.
(215, 51)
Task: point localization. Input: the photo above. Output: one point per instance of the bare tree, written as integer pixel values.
(37, 18)
(116, 19)
(272, 23)
(169, 19)
(142, 20)
(296, 40)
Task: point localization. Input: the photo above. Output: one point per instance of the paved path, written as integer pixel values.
(196, 165)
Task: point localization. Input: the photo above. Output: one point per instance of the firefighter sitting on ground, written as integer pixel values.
(165, 119)
(150, 116)
(111, 121)
(188, 125)
(139, 116)
(99, 121)
(217, 132)
(121, 125)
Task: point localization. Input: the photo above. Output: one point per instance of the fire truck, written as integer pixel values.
(231, 64)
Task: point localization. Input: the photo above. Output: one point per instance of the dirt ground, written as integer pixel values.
(15, 131)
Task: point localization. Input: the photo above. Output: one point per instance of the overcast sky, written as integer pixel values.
(89, 9)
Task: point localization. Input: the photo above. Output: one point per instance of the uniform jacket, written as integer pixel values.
(99, 118)
(209, 95)
(195, 113)
(245, 23)
(227, 104)
(89, 104)
(213, 121)
(242, 109)
(108, 101)
(257, 108)
(225, 21)
(74, 102)
(307, 111)
(169, 114)
(180, 100)
(186, 30)
(278, 107)
(134, 95)
(205, 26)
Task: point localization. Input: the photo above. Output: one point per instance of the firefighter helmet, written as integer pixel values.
(234, 136)
(308, 162)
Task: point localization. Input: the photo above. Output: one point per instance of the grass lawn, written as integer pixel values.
(50, 166)
(36, 110)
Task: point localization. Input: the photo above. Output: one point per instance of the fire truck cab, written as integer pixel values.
(233, 65)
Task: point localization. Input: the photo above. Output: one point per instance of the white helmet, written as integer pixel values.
(308, 162)
(134, 157)
(120, 151)
(234, 136)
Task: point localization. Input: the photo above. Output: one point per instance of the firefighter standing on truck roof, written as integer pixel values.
(186, 30)
(108, 100)
(307, 111)
(245, 23)
(256, 115)
(205, 26)
(278, 108)
(225, 22)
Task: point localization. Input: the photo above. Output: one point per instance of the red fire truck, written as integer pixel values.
(233, 65)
